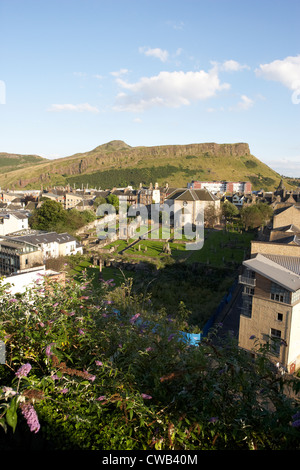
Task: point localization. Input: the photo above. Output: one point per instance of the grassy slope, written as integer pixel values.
(11, 162)
(117, 158)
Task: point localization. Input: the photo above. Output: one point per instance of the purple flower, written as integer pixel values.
(214, 419)
(48, 349)
(101, 398)
(13, 300)
(145, 396)
(171, 337)
(99, 363)
(296, 424)
(64, 390)
(55, 305)
(23, 371)
(31, 417)
(80, 331)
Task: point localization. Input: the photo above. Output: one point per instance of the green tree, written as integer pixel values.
(229, 210)
(50, 216)
(256, 215)
(114, 200)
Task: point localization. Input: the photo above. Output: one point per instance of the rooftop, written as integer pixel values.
(283, 270)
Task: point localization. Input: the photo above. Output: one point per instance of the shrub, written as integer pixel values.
(88, 375)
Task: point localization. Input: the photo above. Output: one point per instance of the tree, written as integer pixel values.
(49, 216)
(229, 210)
(99, 200)
(113, 200)
(256, 215)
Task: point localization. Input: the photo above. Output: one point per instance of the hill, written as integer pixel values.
(118, 164)
(10, 162)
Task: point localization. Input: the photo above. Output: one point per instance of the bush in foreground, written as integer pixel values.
(82, 373)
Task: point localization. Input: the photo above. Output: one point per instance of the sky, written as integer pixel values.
(76, 74)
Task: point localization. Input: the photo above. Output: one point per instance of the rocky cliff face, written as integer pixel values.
(119, 154)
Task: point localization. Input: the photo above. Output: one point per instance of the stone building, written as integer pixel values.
(271, 301)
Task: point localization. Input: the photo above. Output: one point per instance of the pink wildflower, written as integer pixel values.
(31, 417)
(23, 371)
(101, 398)
(145, 396)
(134, 318)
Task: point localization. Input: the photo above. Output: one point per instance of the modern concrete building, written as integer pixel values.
(18, 256)
(222, 186)
(271, 302)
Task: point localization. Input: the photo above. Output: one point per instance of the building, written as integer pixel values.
(222, 186)
(191, 203)
(11, 222)
(271, 301)
(52, 244)
(18, 283)
(18, 256)
(148, 196)
(286, 215)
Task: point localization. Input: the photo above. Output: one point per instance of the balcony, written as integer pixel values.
(247, 281)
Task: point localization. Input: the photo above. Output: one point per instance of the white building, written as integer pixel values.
(20, 282)
(11, 222)
(53, 244)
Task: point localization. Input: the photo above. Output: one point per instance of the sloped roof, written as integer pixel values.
(187, 194)
(275, 270)
(49, 237)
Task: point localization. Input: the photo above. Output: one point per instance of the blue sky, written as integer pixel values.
(75, 74)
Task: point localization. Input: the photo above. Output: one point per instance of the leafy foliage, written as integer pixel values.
(256, 215)
(51, 216)
(120, 177)
(104, 376)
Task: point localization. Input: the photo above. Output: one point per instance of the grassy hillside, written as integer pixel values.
(118, 164)
(10, 162)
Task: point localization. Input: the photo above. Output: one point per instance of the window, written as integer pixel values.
(275, 341)
(279, 316)
(279, 294)
(249, 290)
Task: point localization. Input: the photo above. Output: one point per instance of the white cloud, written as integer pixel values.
(119, 73)
(229, 66)
(168, 89)
(287, 166)
(244, 104)
(156, 52)
(233, 66)
(74, 107)
(286, 71)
